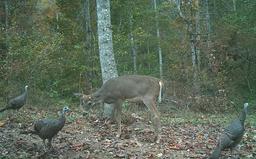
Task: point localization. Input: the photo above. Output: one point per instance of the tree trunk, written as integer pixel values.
(234, 5)
(194, 59)
(197, 37)
(208, 24)
(88, 43)
(133, 45)
(208, 29)
(196, 49)
(158, 42)
(148, 54)
(6, 24)
(57, 21)
(8, 69)
(107, 60)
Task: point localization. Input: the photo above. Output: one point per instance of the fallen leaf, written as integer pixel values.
(175, 147)
(2, 123)
(77, 147)
(159, 155)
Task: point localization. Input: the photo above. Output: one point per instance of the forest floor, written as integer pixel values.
(184, 135)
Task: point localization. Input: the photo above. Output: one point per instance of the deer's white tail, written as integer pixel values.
(160, 91)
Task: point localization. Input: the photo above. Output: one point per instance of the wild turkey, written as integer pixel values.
(48, 128)
(17, 102)
(232, 134)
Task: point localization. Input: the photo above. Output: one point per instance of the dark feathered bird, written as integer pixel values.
(48, 128)
(17, 102)
(232, 134)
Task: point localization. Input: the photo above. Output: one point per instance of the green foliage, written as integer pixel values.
(46, 46)
(236, 50)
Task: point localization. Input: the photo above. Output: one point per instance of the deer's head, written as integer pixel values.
(87, 100)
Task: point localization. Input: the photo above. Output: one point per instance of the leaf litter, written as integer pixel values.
(94, 137)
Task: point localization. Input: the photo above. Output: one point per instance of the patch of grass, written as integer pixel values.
(73, 117)
(3, 115)
(251, 120)
(221, 119)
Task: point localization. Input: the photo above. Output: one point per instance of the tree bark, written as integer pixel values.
(208, 24)
(197, 48)
(234, 5)
(9, 69)
(208, 29)
(133, 45)
(148, 54)
(158, 42)
(57, 21)
(198, 34)
(6, 24)
(87, 24)
(88, 43)
(107, 60)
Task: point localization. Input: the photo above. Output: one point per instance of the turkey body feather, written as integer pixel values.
(48, 128)
(232, 134)
(17, 102)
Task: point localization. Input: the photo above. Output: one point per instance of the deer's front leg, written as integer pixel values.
(118, 112)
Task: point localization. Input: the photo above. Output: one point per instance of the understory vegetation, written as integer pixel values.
(52, 47)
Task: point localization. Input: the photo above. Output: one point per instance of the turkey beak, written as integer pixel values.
(68, 112)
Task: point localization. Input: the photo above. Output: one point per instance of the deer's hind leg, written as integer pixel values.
(151, 104)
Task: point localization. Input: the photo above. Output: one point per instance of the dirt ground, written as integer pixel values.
(92, 137)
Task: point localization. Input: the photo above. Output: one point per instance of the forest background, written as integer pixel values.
(204, 50)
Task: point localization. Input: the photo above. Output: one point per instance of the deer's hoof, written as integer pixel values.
(158, 139)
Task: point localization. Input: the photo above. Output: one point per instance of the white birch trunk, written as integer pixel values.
(107, 60)
(158, 42)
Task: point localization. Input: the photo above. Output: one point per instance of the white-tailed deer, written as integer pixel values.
(129, 87)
